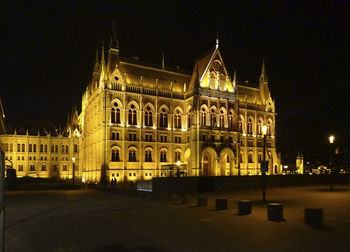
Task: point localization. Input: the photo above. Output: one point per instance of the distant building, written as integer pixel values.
(300, 164)
(138, 118)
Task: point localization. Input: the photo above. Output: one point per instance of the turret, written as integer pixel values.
(113, 51)
(263, 84)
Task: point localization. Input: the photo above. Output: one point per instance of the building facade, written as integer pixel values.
(140, 121)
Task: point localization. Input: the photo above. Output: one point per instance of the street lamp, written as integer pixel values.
(73, 159)
(263, 165)
(331, 139)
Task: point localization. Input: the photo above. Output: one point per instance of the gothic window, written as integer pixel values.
(34, 147)
(163, 118)
(269, 128)
(163, 156)
(259, 129)
(148, 117)
(43, 167)
(23, 148)
(260, 156)
(177, 119)
(222, 119)
(132, 155)
(212, 80)
(148, 156)
(203, 117)
(230, 120)
(18, 148)
(222, 83)
(213, 118)
(132, 115)
(32, 168)
(115, 114)
(115, 155)
(250, 126)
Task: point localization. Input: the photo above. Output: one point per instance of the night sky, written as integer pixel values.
(48, 50)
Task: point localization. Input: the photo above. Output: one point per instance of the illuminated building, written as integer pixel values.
(137, 118)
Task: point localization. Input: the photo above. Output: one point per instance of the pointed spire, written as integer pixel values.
(263, 75)
(163, 61)
(217, 41)
(103, 56)
(97, 64)
(114, 43)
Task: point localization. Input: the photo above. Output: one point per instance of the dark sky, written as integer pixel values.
(48, 50)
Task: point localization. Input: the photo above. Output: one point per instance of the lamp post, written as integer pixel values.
(331, 139)
(73, 173)
(263, 165)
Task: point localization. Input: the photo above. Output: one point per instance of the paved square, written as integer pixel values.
(99, 221)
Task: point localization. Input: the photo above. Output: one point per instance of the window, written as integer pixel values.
(64, 168)
(132, 155)
(114, 135)
(132, 136)
(212, 138)
(177, 139)
(34, 158)
(260, 155)
(41, 148)
(6, 147)
(132, 115)
(203, 117)
(222, 119)
(56, 148)
(213, 118)
(18, 148)
(45, 148)
(162, 156)
(118, 136)
(221, 139)
(115, 114)
(52, 148)
(43, 168)
(22, 157)
(148, 137)
(30, 157)
(32, 167)
(18, 158)
(240, 125)
(67, 148)
(250, 157)
(163, 139)
(11, 147)
(20, 167)
(62, 148)
(268, 145)
(163, 118)
(189, 118)
(203, 138)
(250, 126)
(230, 120)
(23, 147)
(230, 139)
(148, 116)
(54, 167)
(75, 148)
(115, 155)
(250, 143)
(148, 156)
(177, 156)
(260, 144)
(177, 120)
(269, 128)
(259, 129)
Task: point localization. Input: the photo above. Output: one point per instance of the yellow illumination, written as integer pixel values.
(178, 163)
(331, 139)
(73, 159)
(264, 129)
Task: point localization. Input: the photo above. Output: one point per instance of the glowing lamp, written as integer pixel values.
(331, 139)
(264, 129)
(178, 163)
(73, 159)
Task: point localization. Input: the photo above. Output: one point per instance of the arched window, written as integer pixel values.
(269, 128)
(115, 155)
(23, 148)
(203, 117)
(240, 125)
(34, 147)
(259, 129)
(250, 157)
(177, 120)
(222, 119)
(163, 156)
(148, 117)
(163, 118)
(230, 120)
(260, 157)
(177, 155)
(115, 113)
(213, 118)
(148, 155)
(132, 115)
(250, 126)
(132, 155)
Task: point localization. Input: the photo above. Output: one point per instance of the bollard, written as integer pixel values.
(244, 207)
(313, 216)
(221, 204)
(202, 201)
(275, 212)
